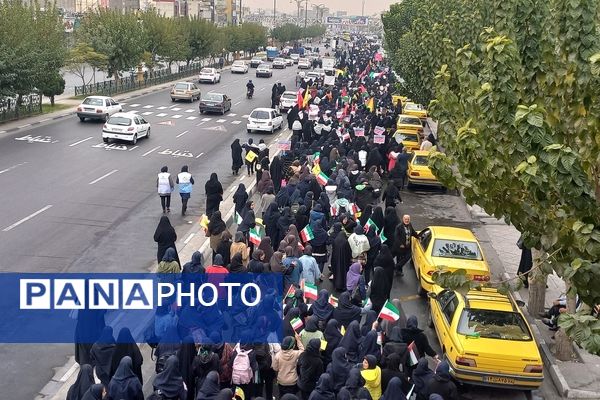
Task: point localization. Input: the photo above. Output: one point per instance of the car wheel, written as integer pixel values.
(148, 134)
(272, 130)
(249, 130)
(172, 100)
(429, 318)
(82, 119)
(223, 111)
(105, 139)
(420, 291)
(106, 117)
(134, 140)
(202, 111)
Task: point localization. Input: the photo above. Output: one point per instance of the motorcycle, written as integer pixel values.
(249, 93)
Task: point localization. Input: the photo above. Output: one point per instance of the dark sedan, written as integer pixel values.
(215, 102)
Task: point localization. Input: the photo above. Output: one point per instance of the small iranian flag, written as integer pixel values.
(389, 312)
(238, 218)
(413, 354)
(290, 292)
(255, 236)
(307, 234)
(370, 224)
(322, 178)
(345, 136)
(310, 291)
(355, 209)
(382, 237)
(317, 157)
(297, 324)
(333, 211)
(333, 301)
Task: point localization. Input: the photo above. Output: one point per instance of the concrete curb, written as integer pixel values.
(66, 375)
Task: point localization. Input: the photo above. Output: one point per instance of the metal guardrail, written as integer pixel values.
(130, 83)
(11, 109)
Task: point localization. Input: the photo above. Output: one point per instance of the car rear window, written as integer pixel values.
(241, 63)
(493, 324)
(456, 249)
(206, 71)
(93, 101)
(212, 97)
(410, 120)
(123, 121)
(260, 115)
(289, 96)
(180, 86)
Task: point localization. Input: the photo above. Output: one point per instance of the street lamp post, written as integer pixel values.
(363, 8)
(274, 12)
(305, 12)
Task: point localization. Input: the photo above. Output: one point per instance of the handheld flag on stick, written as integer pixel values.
(291, 291)
(382, 237)
(204, 221)
(310, 291)
(316, 157)
(333, 301)
(255, 236)
(322, 178)
(389, 312)
(371, 104)
(297, 324)
(307, 234)
(413, 354)
(239, 393)
(370, 224)
(238, 218)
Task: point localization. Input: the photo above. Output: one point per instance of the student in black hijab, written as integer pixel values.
(391, 370)
(285, 220)
(248, 218)
(270, 218)
(287, 326)
(380, 289)
(276, 170)
(236, 157)
(214, 194)
(227, 394)
(339, 368)
(341, 258)
(353, 384)
(165, 236)
(216, 226)
(210, 387)
(394, 390)
(240, 197)
(95, 392)
(237, 264)
(126, 347)
(332, 336)
(310, 367)
(324, 389)
(369, 346)
(85, 379)
(322, 309)
(377, 217)
(88, 329)
(365, 215)
(412, 333)
(101, 354)
(186, 356)
(370, 317)
(351, 342)
(385, 259)
(346, 312)
(125, 385)
(169, 382)
(420, 377)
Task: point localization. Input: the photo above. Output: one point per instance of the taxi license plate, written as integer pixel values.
(499, 379)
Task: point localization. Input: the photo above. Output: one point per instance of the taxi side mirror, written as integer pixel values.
(432, 295)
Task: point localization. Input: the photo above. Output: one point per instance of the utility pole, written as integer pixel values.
(363, 8)
(212, 11)
(305, 12)
(240, 13)
(274, 13)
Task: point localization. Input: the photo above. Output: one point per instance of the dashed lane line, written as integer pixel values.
(150, 151)
(103, 176)
(81, 141)
(19, 222)
(199, 155)
(182, 133)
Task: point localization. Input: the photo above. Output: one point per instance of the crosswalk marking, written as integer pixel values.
(236, 122)
(161, 115)
(221, 120)
(245, 116)
(176, 109)
(176, 116)
(134, 111)
(206, 119)
(148, 113)
(161, 108)
(232, 114)
(148, 106)
(134, 105)
(190, 110)
(191, 118)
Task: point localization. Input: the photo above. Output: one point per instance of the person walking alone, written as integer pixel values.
(402, 244)
(165, 186)
(214, 194)
(236, 157)
(185, 182)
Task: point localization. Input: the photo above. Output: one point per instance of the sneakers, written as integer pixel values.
(547, 322)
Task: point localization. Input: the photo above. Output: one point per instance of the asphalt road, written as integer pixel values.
(72, 204)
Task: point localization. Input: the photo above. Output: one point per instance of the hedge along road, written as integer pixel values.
(75, 204)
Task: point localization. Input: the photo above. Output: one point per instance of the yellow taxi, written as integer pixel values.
(448, 247)
(409, 139)
(419, 172)
(403, 99)
(410, 123)
(416, 110)
(486, 339)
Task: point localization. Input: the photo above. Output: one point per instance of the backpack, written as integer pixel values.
(241, 372)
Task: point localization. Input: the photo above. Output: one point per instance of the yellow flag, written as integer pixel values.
(316, 170)
(306, 98)
(251, 156)
(323, 344)
(258, 221)
(204, 221)
(239, 393)
(371, 104)
(343, 330)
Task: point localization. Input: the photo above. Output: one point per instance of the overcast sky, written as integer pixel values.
(353, 7)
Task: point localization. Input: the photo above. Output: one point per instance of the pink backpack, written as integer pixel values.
(241, 372)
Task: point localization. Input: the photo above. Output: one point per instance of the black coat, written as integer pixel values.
(442, 386)
(341, 258)
(401, 239)
(236, 155)
(166, 237)
(310, 366)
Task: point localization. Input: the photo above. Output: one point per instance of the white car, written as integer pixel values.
(312, 75)
(321, 71)
(279, 63)
(295, 57)
(98, 107)
(304, 63)
(256, 61)
(264, 119)
(288, 100)
(211, 75)
(264, 70)
(125, 126)
(289, 62)
(239, 67)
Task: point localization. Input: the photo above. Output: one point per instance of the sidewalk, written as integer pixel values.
(577, 379)
(193, 240)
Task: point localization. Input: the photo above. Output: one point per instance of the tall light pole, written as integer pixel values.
(305, 12)
(320, 10)
(274, 12)
(363, 8)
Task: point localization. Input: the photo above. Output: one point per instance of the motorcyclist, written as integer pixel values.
(250, 87)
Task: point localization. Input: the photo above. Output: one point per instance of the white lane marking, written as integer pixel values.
(176, 108)
(232, 189)
(176, 116)
(134, 147)
(161, 115)
(81, 141)
(148, 113)
(134, 105)
(44, 120)
(199, 155)
(191, 118)
(236, 122)
(242, 178)
(189, 110)
(200, 123)
(245, 116)
(206, 119)
(134, 111)
(103, 176)
(186, 241)
(224, 86)
(235, 104)
(13, 167)
(122, 103)
(232, 114)
(24, 126)
(182, 133)
(261, 89)
(161, 108)
(150, 151)
(1, 132)
(221, 121)
(148, 106)
(19, 222)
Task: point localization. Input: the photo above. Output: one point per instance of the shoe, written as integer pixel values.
(164, 211)
(168, 210)
(547, 322)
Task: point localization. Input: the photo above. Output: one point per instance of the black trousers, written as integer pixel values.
(402, 258)
(165, 202)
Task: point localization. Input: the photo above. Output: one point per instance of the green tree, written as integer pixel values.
(200, 37)
(286, 33)
(163, 39)
(119, 36)
(54, 85)
(81, 57)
